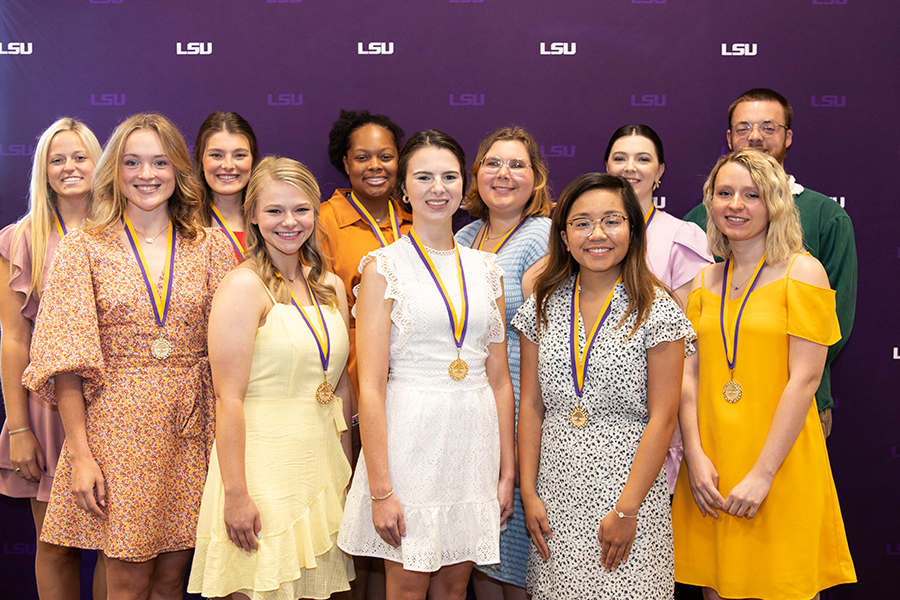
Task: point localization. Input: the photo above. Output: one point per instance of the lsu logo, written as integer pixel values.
(375, 48)
(896, 349)
(108, 100)
(559, 152)
(839, 199)
(19, 548)
(739, 50)
(203, 48)
(659, 202)
(467, 100)
(285, 99)
(17, 150)
(16, 48)
(648, 100)
(558, 48)
(835, 101)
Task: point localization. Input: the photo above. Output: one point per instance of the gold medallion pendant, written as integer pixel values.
(161, 348)
(578, 418)
(732, 391)
(324, 393)
(458, 369)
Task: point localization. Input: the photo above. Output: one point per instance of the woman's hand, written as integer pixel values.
(616, 536)
(505, 497)
(242, 521)
(387, 516)
(705, 485)
(26, 456)
(537, 524)
(88, 486)
(746, 497)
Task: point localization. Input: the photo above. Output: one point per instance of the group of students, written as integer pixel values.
(209, 337)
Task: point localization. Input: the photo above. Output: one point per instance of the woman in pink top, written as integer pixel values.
(676, 250)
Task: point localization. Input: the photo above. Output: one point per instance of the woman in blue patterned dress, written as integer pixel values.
(510, 197)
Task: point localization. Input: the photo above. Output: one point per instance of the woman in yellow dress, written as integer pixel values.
(278, 350)
(756, 513)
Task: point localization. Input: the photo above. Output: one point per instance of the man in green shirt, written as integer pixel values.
(761, 118)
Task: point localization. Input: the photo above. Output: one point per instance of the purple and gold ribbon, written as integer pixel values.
(60, 224)
(458, 323)
(649, 216)
(506, 238)
(239, 250)
(723, 314)
(159, 304)
(579, 360)
(323, 340)
(395, 221)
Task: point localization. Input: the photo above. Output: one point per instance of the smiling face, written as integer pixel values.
(148, 176)
(737, 208)
(504, 194)
(227, 163)
(757, 112)
(285, 217)
(598, 251)
(371, 162)
(69, 167)
(634, 158)
(434, 184)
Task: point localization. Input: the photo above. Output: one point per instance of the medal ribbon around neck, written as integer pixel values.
(649, 216)
(723, 314)
(457, 324)
(505, 238)
(60, 224)
(579, 361)
(395, 221)
(228, 232)
(323, 340)
(160, 305)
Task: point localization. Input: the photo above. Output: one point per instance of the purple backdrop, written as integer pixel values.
(572, 71)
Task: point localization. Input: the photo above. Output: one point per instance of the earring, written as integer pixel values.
(656, 185)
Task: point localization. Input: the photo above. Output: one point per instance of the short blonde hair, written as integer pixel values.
(42, 198)
(784, 236)
(109, 198)
(540, 203)
(297, 175)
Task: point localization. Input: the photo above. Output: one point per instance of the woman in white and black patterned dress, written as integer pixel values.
(591, 462)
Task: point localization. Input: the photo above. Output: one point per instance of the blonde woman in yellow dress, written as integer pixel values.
(755, 512)
(278, 350)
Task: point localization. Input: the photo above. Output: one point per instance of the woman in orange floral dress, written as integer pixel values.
(128, 359)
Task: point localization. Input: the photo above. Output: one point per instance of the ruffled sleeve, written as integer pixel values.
(494, 277)
(690, 254)
(20, 267)
(538, 241)
(811, 313)
(525, 320)
(667, 323)
(66, 337)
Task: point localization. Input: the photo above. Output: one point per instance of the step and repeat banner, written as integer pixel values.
(571, 71)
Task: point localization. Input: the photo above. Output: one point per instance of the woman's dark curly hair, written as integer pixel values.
(347, 123)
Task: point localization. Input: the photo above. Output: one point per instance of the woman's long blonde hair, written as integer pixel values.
(289, 171)
(109, 197)
(784, 237)
(42, 199)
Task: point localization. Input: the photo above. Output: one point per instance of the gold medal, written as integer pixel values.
(161, 348)
(458, 369)
(324, 393)
(578, 417)
(732, 391)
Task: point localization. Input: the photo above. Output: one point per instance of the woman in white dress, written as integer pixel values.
(436, 472)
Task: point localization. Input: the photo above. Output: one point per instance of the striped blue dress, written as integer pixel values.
(523, 250)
